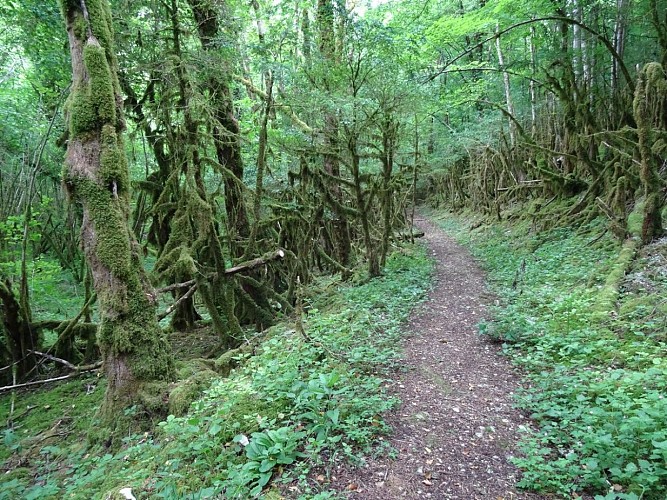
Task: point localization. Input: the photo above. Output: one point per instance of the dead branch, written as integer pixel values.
(55, 359)
(176, 286)
(243, 266)
(408, 236)
(173, 307)
(79, 371)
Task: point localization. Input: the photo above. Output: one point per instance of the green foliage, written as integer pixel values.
(54, 292)
(294, 403)
(597, 383)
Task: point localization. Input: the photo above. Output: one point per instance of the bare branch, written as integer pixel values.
(79, 371)
(173, 307)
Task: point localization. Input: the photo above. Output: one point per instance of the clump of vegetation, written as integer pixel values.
(302, 398)
(597, 382)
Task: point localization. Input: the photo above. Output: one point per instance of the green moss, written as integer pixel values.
(188, 390)
(630, 305)
(72, 403)
(652, 224)
(135, 335)
(92, 102)
(83, 117)
(99, 14)
(114, 171)
(607, 296)
(100, 84)
(186, 369)
(113, 246)
(636, 218)
(185, 265)
(67, 6)
(80, 26)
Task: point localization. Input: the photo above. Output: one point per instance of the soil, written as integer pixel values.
(456, 428)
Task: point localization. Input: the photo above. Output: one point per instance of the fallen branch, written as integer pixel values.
(408, 236)
(57, 360)
(537, 183)
(243, 266)
(259, 261)
(79, 371)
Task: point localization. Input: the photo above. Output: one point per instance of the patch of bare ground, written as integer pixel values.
(456, 428)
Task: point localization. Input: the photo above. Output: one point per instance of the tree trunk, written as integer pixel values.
(136, 353)
(659, 21)
(371, 252)
(20, 337)
(226, 131)
(650, 109)
(533, 92)
(389, 132)
(508, 93)
(329, 52)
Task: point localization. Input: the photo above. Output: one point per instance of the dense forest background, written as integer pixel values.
(171, 167)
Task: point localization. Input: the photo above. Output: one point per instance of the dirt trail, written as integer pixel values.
(456, 428)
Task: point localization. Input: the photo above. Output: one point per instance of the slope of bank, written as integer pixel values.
(312, 389)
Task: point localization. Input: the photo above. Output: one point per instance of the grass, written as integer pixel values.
(297, 404)
(598, 381)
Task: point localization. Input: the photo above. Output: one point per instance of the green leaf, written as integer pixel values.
(631, 468)
(334, 415)
(264, 479)
(267, 465)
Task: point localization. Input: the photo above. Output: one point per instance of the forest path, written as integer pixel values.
(455, 429)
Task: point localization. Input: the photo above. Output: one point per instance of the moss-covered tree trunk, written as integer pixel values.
(96, 175)
(363, 208)
(18, 338)
(389, 130)
(226, 131)
(331, 55)
(650, 109)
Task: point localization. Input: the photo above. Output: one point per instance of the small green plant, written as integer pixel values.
(264, 452)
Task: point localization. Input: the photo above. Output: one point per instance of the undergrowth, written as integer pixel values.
(300, 402)
(597, 381)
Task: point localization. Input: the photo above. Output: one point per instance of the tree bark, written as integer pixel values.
(650, 110)
(389, 133)
(533, 91)
(226, 131)
(21, 338)
(135, 351)
(508, 93)
(330, 54)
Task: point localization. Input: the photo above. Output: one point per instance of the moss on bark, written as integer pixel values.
(137, 357)
(650, 110)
